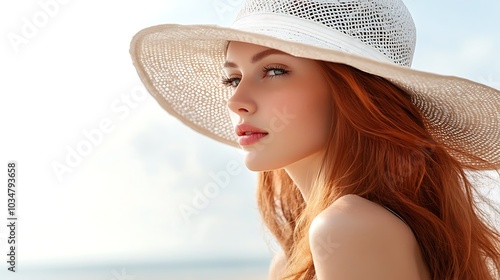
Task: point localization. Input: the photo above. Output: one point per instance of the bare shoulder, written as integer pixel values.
(352, 212)
(277, 266)
(355, 238)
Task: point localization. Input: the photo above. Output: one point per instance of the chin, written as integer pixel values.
(258, 162)
(255, 165)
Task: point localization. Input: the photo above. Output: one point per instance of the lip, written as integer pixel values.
(245, 139)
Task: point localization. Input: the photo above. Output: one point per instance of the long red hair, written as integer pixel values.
(380, 150)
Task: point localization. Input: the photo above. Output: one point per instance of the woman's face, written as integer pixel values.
(280, 105)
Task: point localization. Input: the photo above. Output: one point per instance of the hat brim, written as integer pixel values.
(181, 66)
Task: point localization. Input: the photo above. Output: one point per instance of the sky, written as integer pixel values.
(104, 174)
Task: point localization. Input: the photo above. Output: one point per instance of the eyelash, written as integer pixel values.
(229, 81)
(277, 67)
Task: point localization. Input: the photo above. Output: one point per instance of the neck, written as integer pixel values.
(304, 172)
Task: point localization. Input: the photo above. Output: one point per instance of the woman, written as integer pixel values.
(361, 159)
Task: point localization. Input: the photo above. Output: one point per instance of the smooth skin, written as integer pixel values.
(356, 239)
(288, 98)
(353, 239)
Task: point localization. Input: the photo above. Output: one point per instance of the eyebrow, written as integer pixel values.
(258, 56)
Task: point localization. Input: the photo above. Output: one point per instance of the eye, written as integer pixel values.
(275, 71)
(231, 82)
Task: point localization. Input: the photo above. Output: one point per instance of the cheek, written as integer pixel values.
(313, 124)
(313, 113)
(307, 129)
(299, 126)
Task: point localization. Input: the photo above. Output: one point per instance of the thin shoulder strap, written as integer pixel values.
(396, 214)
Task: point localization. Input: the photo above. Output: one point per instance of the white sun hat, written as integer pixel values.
(181, 66)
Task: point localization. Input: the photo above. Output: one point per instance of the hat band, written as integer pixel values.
(295, 29)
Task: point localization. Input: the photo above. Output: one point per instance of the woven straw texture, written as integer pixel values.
(371, 22)
(181, 66)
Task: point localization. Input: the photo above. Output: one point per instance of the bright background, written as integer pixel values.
(120, 203)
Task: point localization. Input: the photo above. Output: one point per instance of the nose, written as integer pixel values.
(241, 102)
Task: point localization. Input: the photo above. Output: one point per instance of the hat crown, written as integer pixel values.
(383, 25)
